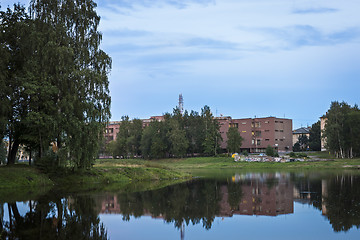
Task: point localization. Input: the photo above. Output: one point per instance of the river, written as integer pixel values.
(219, 205)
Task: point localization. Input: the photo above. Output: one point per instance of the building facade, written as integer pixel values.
(258, 133)
(322, 129)
(304, 131)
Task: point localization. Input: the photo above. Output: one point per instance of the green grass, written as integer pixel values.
(22, 175)
(227, 162)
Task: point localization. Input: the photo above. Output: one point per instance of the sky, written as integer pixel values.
(243, 58)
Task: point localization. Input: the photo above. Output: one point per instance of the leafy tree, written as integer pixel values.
(177, 139)
(212, 133)
(315, 137)
(134, 140)
(122, 137)
(303, 141)
(296, 147)
(195, 132)
(56, 86)
(342, 130)
(270, 151)
(153, 141)
(234, 140)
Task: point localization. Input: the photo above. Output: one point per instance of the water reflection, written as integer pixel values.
(52, 218)
(201, 201)
(63, 216)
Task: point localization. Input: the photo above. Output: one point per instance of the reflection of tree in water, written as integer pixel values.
(72, 218)
(234, 195)
(343, 202)
(193, 202)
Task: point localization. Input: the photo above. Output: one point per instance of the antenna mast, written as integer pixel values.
(181, 103)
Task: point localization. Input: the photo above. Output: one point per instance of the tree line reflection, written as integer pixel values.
(54, 216)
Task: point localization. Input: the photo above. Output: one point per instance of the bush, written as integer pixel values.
(302, 155)
(293, 155)
(271, 152)
(245, 153)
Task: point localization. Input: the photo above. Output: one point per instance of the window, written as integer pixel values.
(267, 130)
(281, 140)
(234, 125)
(281, 122)
(109, 130)
(276, 130)
(258, 142)
(257, 124)
(266, 140)
(243, 123)
(243, 131)
(276, 139)
(258, 133)
(281, 130)
(252, 124)
(276, 121)
(253, 141)
(266, 121)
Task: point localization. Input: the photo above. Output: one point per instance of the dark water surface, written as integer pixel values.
(230, 205)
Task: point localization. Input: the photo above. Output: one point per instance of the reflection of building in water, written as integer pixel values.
(257, 198)
(261, 198)
(324, 194)
(110, 205)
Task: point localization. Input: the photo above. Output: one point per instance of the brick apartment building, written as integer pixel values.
(258, 133)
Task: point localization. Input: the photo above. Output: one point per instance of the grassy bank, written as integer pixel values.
(227, 162)
(31, 178)
(124, 171)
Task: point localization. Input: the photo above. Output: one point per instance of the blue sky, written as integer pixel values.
(243, 58)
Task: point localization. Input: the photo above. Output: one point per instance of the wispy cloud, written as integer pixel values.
(131, 4)
(210, 43)
(305, 35)
(314, 10)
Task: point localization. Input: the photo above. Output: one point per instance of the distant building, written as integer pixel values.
(112, 129)
(258, 133)
(304, 131)
(323, 120)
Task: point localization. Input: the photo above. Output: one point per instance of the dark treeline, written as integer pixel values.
(178, 135)
(342, 130)
(53, 81)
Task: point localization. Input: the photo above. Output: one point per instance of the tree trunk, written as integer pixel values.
(12, 152)
(30, 157)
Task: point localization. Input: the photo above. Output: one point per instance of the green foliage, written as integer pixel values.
(342, 130)
(303, 142)
(292, 154)
(296, 147)
(212, 134)
(2, 152)
(245, 153)
(270, 151)
(177, 139)
(176, 136)
(234, 140)
(315, 137)
(55, 80)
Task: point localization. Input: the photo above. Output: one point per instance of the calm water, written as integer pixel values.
(231, 205)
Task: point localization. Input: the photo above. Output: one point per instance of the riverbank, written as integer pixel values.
(124, 171)
(21, 180)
